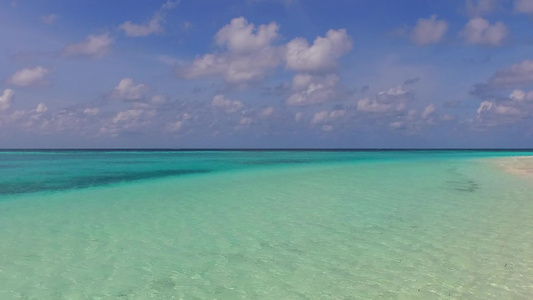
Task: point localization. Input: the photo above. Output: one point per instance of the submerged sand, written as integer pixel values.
(517, 165)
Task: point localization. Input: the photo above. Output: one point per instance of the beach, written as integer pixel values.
(276, 225)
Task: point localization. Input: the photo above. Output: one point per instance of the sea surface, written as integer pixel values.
(264, 225)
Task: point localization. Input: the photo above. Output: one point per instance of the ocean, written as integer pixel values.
(264, 225)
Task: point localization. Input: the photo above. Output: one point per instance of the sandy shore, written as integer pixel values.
(518, 165)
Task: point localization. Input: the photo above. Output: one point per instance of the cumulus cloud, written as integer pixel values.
(240, 36)
(326, 116)
(429, 31)
(128, 90)
(41, 108)
(517, 106)
(91, 111)
(390, 101)
(517, 75)
(319, 57)
(93, 46)
(49, 19)
(480, 31)
(5, 99)
(127, 115)
(153, 26)
(228, 105)
(29, 76)
(266, 112)
(428, 111)
(523, 6)
(477, 8)
(312, 89)
(248, 58)
(250, 53)
(136, 30)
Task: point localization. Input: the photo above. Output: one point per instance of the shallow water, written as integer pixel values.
(263, 225)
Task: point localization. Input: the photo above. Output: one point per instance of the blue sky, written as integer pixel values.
(266, 73)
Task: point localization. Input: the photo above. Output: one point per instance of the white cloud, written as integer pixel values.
(93, 45)
(267, 111)
(298, 116)
(228, 105)
(312, 89)
(428, 111)
(519, 74)
(319, 57)
(519, 96)
(479, 31)
(137, 30)
(395, 91)
(151, 27)
(245, 121)
(41, 108)
(523, 6)
(373, 106)
(240, 36)
(128, 115)
(169, 5)
(327, 116)
(175, 126)
(499, 109)
(477, 8)
(447, 117)
(248, 58)
(236, 69)
(429, 31)
(5, 99)
(49, 19)
(127, 90)
(91, 111)
(397, 124)
(28, 76)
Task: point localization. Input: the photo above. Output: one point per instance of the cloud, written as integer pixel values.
(29, 76)
(151, 27)
(312, 89)
(479, 31)
(517, 106)
(477, 8)
(49, 19)
(137, 30)
(319, 57)
(127, 90)
(170, 5)
(5, 99)
(429, 31)
(391, 101)
(128, 115)
(523, 6)
(91, 111)
(93, 46)
(239, 36)
(228, 105)
(373, 106)
(248, 58)
(41, 108)
(327, 116)
(250, 54)
(517, 75)
(428, 111)
(266, 112)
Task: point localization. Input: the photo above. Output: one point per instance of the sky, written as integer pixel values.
(266, 74)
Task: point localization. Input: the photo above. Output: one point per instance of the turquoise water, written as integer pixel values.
(264, 225)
